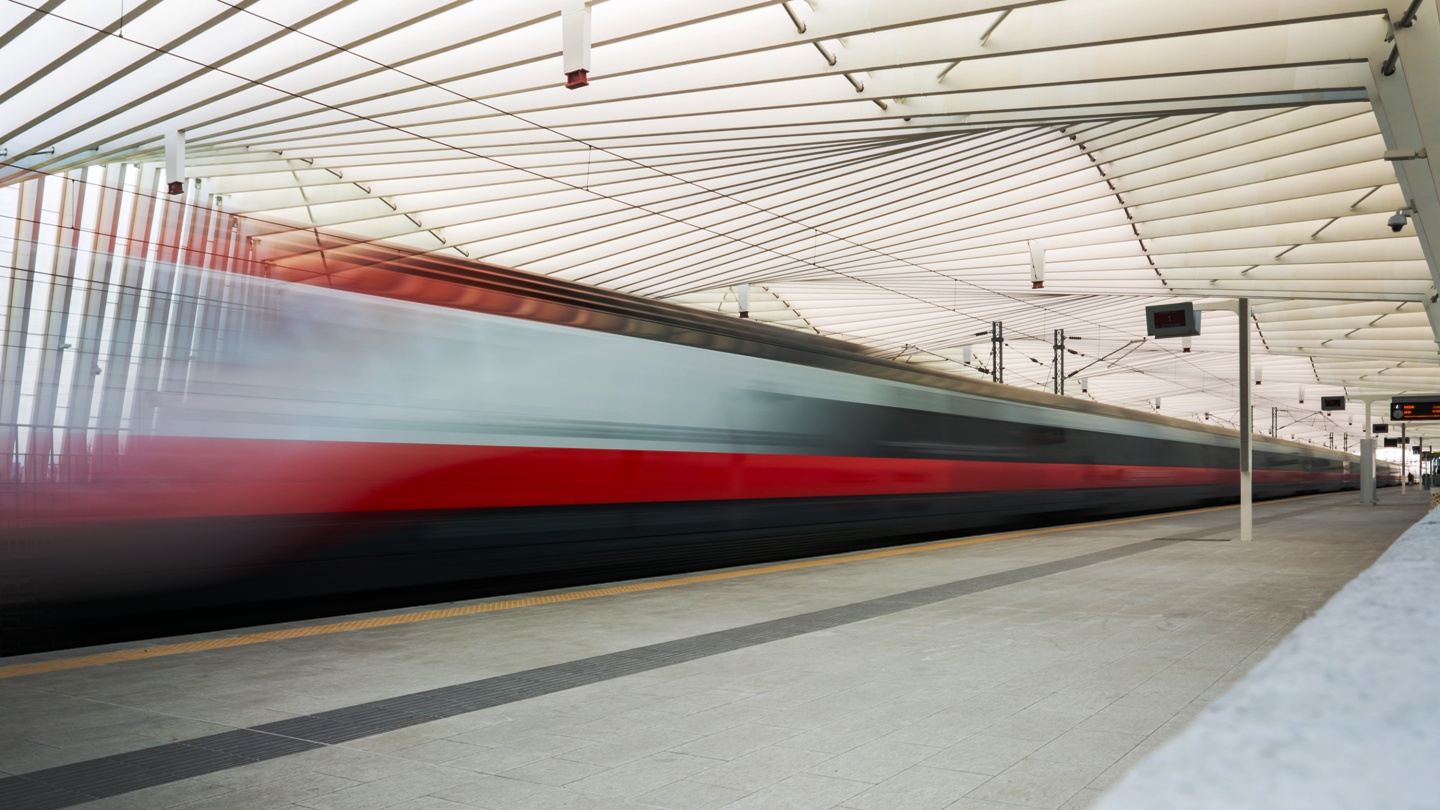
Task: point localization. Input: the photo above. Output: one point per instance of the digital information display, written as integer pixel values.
(1172, 320)
(1332, 403)
(1383, 427)
(1411, 409)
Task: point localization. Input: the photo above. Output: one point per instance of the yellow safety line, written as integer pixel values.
(117, 656)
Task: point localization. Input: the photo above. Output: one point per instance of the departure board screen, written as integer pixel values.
(1414, 409)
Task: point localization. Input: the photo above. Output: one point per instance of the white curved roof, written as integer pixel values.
(879, 171)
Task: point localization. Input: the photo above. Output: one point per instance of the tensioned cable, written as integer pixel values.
(1202, 372)
(680, 180)
(609, 152)
(570, 185)
(474, 153)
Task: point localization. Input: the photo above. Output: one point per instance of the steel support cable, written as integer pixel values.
(994, 214)
(481, 103)
(473, 41)
(857, 252)
(801, 237)
(786, 43)
(441, 143)
(156, 52)
(403, 111)
(268, 40)
(949, 187)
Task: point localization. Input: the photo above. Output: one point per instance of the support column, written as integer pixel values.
(85, 372)
(40, 457)
(1242, 311)
(1367, 458)
(1057, 364)
(17, 326)
(117, 390)
(997, 351)
(1403, 442)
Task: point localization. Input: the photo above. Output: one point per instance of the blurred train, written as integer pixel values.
(427, 429)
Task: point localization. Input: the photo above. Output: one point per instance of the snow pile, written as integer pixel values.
(1345, 713)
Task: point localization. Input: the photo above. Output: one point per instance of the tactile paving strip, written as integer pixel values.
(69, 785)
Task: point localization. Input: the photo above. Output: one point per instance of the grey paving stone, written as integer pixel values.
(843, 735)
(619, 725)
(983, 754)
(348, 763)
(918, 788)
(1077, 701)
(510, 730)
(548, 744)
(1037, 783)
(629, 747)
(803, 791)
(384, 793)
(687, 795)
(943, 728)
(875, 761)
(557, 772)
(1083, 800)
(1099, 748)
(497, 760)
(494, 792)
(1036, 724)
(702, 700)
(735, 742)
(759, 770)
(703, 724)
(430, 803)
(644, 775)
(1126, 719)
(438, 751)
(969, 803)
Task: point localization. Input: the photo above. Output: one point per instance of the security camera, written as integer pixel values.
(1397, 222)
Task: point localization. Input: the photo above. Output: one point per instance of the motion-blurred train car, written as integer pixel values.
(399, 424)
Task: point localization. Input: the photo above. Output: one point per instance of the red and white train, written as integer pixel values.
(394, 424)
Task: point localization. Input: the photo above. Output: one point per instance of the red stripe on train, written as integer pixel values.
(180, 477)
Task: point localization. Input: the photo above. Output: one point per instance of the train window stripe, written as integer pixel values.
(68, 785)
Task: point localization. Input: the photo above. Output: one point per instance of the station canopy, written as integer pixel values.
(893, 173)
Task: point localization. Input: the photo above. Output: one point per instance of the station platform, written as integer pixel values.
(1027, 669)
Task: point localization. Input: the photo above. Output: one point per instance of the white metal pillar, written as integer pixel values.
(1403, 441)
(1242, 311)
(1367, 458)
(1241, 308)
